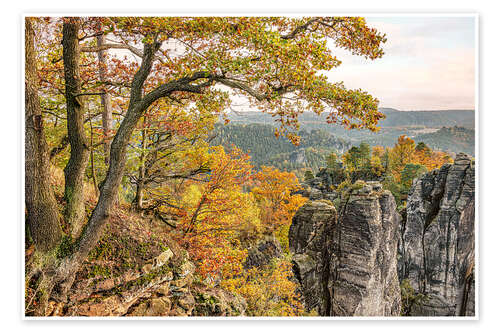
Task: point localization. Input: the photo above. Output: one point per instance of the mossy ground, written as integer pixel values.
(128, 243)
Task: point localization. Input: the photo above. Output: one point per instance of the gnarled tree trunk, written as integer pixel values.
(42, 214)
(74, 172)
(63, 276)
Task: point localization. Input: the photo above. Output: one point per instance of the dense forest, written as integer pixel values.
(260, 142)
(139, 202)
(455, 139)
(395, 124)
(315, 145)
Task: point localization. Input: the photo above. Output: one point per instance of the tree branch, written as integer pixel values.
(108, 46)
(299, 29)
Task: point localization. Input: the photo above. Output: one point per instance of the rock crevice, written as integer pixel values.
(346, 262)
(437, 242)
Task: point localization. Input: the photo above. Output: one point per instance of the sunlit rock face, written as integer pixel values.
(346, 261)
(437, 241)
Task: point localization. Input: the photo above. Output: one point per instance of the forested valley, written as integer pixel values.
(145, 196)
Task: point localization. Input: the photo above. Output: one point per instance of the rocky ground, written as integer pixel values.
(136, 270)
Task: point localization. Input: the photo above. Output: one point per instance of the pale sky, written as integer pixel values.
(428, 64)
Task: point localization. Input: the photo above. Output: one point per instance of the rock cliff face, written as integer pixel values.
(263, 252)
(437, 241)
(310, 241)
(346, 263)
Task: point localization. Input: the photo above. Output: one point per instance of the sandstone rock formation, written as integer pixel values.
(437, 242)
(321, 186)
(310, 240)
(347, 266)
(263, 252)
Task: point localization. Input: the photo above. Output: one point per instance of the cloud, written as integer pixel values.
(427, 65)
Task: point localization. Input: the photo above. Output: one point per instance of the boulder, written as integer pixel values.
(315, 194)
(153, 307)
(163, 258)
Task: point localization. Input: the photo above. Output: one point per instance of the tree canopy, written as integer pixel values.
(135, 98)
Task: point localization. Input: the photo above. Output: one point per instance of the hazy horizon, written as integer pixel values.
(388, 107)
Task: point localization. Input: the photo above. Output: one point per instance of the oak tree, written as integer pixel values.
(275, 63)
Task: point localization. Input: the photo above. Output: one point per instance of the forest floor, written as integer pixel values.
(136, 269)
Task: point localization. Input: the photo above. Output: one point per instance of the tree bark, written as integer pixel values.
(107, 121)
(74, 172)
(109, 189)
(139, 192)
(139, 195)
(138, 104)
(92, 164)
(42, 214)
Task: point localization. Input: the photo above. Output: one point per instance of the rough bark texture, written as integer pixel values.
(141, 173)
(42, 215)
(74, 172)
(109, 188)
(348, 267)
(437, 244)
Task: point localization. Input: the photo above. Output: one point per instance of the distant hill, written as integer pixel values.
(396, 123)
(266, 149)
(455, 139)
(394, 118)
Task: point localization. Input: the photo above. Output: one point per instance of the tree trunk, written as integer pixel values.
(109, 189)
(139, 193)
(92, 164)
(105, 101)
(74, 172)
(42, 214)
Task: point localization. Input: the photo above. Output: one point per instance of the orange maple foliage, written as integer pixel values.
(213, 214)
(274, 192)
(406, 152)
(430, 159)
(400, 155)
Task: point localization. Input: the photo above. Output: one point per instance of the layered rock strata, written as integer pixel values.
(346, 262)
(437, 244)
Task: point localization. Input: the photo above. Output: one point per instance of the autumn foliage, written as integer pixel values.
(396, 167)
(132, 101)
(218, 216)
(274, 193)
(268, 292)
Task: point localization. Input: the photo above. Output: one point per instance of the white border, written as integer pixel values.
(249, 13)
